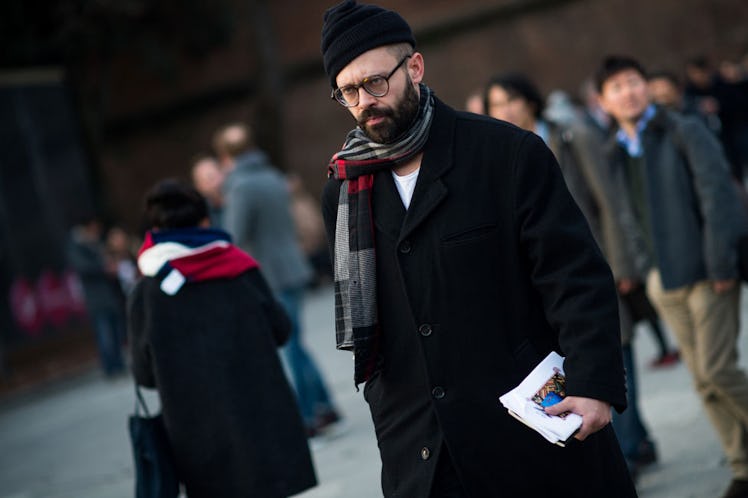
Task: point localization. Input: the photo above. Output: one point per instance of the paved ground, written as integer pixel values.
(68, 439)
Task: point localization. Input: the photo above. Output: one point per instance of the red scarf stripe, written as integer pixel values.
(361, 183)
(200, 262)
(218, 262)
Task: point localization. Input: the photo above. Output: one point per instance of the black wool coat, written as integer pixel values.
(491, 267)
(231, 416)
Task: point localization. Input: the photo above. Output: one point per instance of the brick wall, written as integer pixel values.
(557, 45)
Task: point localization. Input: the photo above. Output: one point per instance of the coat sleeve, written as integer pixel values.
(718, 201)
(592, 163)
(137, 331)
(280, 324)
(570, 275)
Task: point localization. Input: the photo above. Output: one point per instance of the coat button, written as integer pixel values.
(438, 392)
(405, 247)
(425, 330)
(425, 453)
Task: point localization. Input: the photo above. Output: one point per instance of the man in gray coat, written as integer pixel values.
(257, 214)
(675, 176)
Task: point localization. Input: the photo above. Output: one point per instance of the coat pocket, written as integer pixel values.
(370, 389)
(469, 234)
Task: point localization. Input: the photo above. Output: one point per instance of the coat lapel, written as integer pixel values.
(438, 157)
(387, 206)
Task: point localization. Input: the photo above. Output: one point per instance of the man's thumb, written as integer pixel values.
(558, 408)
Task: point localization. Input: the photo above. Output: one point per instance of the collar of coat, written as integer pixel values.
(438, 159)
(253, 160)
(662, 121)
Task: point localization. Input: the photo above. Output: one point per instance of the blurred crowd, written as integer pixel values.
(716, 93)
(274, 218)
(659, 157)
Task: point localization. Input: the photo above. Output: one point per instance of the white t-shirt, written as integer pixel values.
(406, 185)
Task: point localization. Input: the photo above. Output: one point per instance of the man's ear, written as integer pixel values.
(416, 67)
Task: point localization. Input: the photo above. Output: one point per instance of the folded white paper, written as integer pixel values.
(544, 386)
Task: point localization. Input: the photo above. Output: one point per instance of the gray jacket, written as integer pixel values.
(693, 207)
(257, 215)
(580, 154)
(579, 150)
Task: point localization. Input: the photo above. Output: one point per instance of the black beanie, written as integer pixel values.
(350, 29)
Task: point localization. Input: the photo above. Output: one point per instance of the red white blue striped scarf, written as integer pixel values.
(356, 322)
(183, 255)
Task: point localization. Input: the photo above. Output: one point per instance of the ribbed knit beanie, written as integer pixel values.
(350, 29)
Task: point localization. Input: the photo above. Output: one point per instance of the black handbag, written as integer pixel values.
(155, 473)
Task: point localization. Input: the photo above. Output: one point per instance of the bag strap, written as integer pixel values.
(140, 402)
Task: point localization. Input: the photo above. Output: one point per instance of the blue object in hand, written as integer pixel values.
(551, 399)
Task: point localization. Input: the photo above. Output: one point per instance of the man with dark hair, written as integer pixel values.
(724, 106)
(204, 328)
(460, 262)
(701, 91)
(666, 90)
(171, 204)
(514, 98)
(673, 173)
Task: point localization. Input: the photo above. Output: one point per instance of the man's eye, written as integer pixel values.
(347, 91)
(375, 81)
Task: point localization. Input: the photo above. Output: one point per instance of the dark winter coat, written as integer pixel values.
(491, 267)
(231, 417)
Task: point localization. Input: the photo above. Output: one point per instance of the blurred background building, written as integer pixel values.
(101, 98)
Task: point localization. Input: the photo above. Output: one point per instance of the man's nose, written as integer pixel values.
(365, 99)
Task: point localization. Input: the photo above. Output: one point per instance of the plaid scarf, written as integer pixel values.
(356, 323)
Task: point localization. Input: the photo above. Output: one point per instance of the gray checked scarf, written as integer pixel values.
(356, 323)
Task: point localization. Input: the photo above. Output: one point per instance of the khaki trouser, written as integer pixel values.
(706, 326)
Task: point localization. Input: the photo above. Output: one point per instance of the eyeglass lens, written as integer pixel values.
(376, 86)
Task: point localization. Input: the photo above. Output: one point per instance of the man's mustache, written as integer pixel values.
(373, 112)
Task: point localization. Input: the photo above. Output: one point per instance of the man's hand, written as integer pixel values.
(595, 413)
(722, 286)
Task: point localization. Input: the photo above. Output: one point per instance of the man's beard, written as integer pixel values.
(397, 121)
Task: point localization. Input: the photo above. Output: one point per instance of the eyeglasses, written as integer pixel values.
(376, 86)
